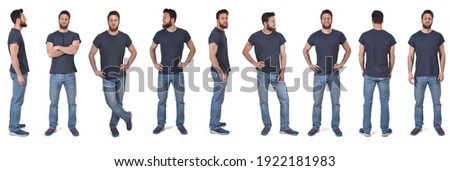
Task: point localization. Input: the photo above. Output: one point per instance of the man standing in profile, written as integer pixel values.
(112, 44)
(19, 72)
(62, 45)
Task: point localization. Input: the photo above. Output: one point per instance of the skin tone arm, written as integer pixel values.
(249, 58)
(391, 60)
(410, 65)
(14, 51)
(57, 51)
(190, 45)
(361, 58)
(346, 56)
(133, 55)
(157, 65)
(213, 58)
(306, 49)
(92, 53)
(442, 59)
(283, 62)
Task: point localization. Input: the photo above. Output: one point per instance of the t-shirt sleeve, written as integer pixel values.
(393, 41)
(213, 38)
(14, 38)
(96, 41)
(251, 39)
(156, 38)
(362, 39)
(441, 39)
(311, 40)
(342, 39)
(76, 36)
(411, 42)
(187, 37)
(128, 41)
(49, 39)
(282, 40)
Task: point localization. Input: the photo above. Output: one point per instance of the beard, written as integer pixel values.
(271, 28)
(23, 24)
(426, 26)
(63, 26)
(167, 25)
(114, 28)
(224, 25)
(326, 27)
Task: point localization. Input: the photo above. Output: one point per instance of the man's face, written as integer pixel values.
(113, 22)
(427, 21)
(64, 21)
(326, 21)
(223, 20)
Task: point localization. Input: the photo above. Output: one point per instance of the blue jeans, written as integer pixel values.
(264, 79)
(419, 91)
(383, 88)
(114, 90)
(70, 84)
(164, 81)
(334, 84)
(16, 102)
(217, 100)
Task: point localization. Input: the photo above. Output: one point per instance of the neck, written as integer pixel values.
(377, 27)
(63, 30)
(327, 31)
(427, 30)
(220, 28)
(171, 28)
(113, 32)
(266, 31)
(18, 27)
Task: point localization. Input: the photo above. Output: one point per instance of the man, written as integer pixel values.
(220, 68)
(326, 41)
(378, 44)
(426, 44)
(270, 53)
(172, 40)
(112, 44)
(62, 45)
(19, 72)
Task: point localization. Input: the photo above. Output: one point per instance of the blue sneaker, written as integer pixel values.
(128, 123)
(289, 132)
(361, 131)
(222, 124)
(182, 129)
(19, 133)
(50, 131)
(440, 131)
(337, 132)
(74, 132)
(158, 129)
(265, 131)
(415, 131)
(387, 133)
(219, 131)
(114, 132)
(313, 131)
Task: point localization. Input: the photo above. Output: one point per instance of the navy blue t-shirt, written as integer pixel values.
(426, 46)
(218, 37)
(327, 48)
(16, 37)
(172, 44)
(267, 49)
(65, 63)
(377, 45)
(112, 50)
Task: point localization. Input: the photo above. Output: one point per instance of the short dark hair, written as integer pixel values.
(327, 11)
(377, 17)
(114, 13)
(64, 12)
(171, 13)
(428, 12)
(265, 17)
(222, 11)
(16, 15)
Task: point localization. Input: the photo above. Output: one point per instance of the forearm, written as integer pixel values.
(71, 50)
(54, 53)
(16, 67)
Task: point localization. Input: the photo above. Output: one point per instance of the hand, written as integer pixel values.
(411, 78)
(338, 66)
(260, 64)
(20, 80)
(159, 67)
(56, 47)
(124, 67)
(280, 77)
(223, 78)
(182, 65)
(362, 72)
(441, 77)
(100, 74)
(314, 68)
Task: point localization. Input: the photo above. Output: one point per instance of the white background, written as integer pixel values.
(95, 148)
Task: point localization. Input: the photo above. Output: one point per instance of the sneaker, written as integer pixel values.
(361, 131)
(50, 131)
(74, 132)
(265, 131)
(222, 124)
(114, 132)
(415, 131)
(158, 129)
(19, 133)
(440, 131)
(387, 133)
(313, 131)
(182, 130)
(22, 125)
(128, 123)
(337, 132)
(289, 132)
(219, 131)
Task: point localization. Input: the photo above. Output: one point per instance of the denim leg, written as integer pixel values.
(70, 85)
(16, 101)
(263, 85)
(435, 89)
(179, 89)
(383, 88)
(283, 98)
(114, 90)
(419, 91)
(335, 92)
(369, 87)
(318, 89)
(56, 82)
(163, 87)
(216, 101)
